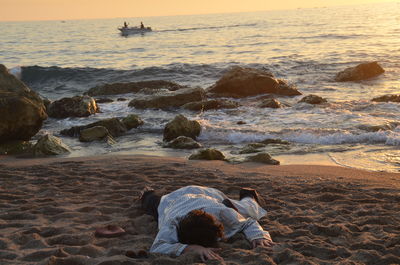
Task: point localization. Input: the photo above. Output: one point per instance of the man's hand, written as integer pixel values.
(205, 253)
(262, 242)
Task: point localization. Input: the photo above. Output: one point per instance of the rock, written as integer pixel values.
(377, 128)
(22, 111)
(15, 147)
(183, 142)
(104, 100)
(208, 154)
(210, 104)
(132, 87)
(50, 145)
(78, 106)
(263, 158)
(252, 148)
(387, 98)
(244, 82)
(95, 133)
(270, 103)
(181, 126)
(171, 100)
(360, 72)
(114, 126)
(132, 121)
(313, 99)
(241, 123)
(274, 141)
(121, 99)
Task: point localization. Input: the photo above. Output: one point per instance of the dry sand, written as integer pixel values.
(50, 208)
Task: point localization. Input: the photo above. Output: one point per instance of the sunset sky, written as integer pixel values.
(11, 10)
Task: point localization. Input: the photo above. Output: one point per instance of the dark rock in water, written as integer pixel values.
(210, 104)
(95, 133)
(78, 106)
(183, 142)
(252, 148)
(313, 99)
(170, 100)
(22, 111)
(387, 98)
(360, 72)
(181, 126)
(270, 103)
(132, 121)
(46, 103)
(132, 87)
(104, 100)
(114, 126)
(244, 82)
(263, 158)
(121, 99)
(274, 141)
(208, 154)
(377, 128)
(50, 145)
(241, 122)
(15, 147)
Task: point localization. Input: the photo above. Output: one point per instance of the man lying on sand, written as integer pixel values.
(195, 218)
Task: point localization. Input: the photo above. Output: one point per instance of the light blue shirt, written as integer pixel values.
(177, 204)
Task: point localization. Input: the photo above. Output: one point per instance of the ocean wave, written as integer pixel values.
(306, 136)
(53, 81)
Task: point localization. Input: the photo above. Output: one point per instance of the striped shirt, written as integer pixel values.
(177, 204)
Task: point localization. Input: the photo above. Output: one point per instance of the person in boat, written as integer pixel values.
(125, 24)
(141, 25)
(195, 218)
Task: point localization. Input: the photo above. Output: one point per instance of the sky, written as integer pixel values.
(25, 10)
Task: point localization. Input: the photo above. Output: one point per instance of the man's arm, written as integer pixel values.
(166, 242)
(235, 222)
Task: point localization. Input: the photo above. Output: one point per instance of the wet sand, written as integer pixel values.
(50, 208)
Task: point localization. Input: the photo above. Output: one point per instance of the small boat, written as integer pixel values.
(134, 30)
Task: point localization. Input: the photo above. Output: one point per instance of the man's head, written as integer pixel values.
(200, 228)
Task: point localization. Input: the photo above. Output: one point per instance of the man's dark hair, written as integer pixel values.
(200, 228)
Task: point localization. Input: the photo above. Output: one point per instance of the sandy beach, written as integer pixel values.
(50, 208)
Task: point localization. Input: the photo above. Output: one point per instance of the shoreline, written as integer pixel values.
(319, 214)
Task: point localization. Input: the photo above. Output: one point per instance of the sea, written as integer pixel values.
(306, 47)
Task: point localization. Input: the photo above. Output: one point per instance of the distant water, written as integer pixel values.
(307, 47)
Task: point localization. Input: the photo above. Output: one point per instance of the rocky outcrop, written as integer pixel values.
(252, 148)
(360, 72)
(244, 82)
(104, 100)
(274, 141)
(132, 121)
(182, 142)
(387, 98)
(313, 99)
(270, 103)
(78, 106)
(208, 154)
(114, 126)
(49, 145)
(96, 133)
(263, 158)
(22, 111)
(210, 104)
(181, 126)
(132, 87)
(170, 100)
